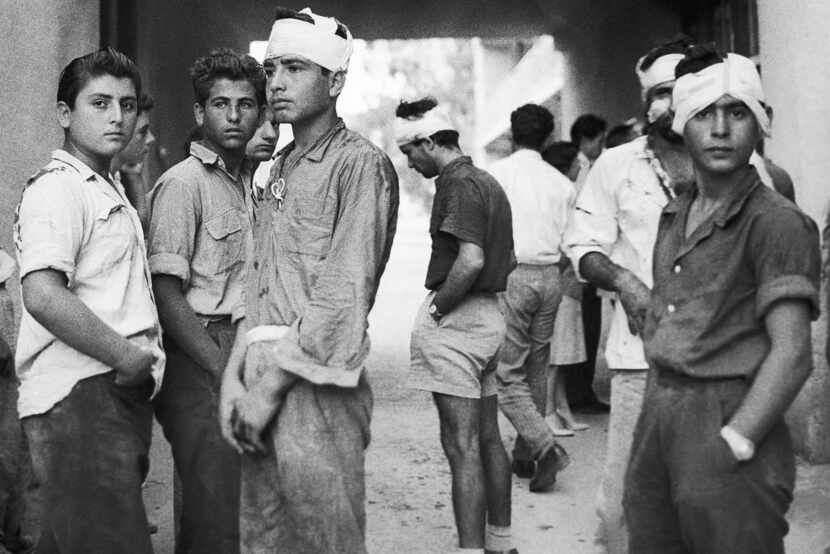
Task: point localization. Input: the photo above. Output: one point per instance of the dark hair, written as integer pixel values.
(145, 103)
(416, 108)
(531, 124)
(561, 155)
(224, 63)
(587, 126)
(699, 57)
(678, 45)
(287, 13)
(618, 135)
(106, 61)
(447, 138)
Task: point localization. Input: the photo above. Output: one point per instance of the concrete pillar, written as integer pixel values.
(794, 52)
(39, 38)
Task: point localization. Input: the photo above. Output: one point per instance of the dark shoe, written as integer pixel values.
(524, 469)
(595, 407)
(552, 461)
(511, 551)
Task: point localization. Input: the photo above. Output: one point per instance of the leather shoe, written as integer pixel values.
(511, 551)
(552, 461)
(524, 469)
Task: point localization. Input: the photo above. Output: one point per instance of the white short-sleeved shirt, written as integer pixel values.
(72, 220)
(541, 199)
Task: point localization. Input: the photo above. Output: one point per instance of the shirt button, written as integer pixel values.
(671, 308)
(677, 269)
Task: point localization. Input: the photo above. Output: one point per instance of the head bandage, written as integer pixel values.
(736, 76)
(412, 129)
(317, 42)
(659, 72)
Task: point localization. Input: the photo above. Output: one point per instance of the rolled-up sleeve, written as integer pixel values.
(171, 236)
(333, 328)
(49, 227)
(593, 225)
(784, 248)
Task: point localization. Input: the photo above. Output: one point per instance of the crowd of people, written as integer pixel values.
(229, 300)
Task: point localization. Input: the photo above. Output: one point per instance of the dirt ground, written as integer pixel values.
(408, 499)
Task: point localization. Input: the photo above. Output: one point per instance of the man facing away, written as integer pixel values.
(295, 397)
(727, 333)
(459, 328)
(197, 243)
(610, 239)
(88, 353)
(540, 201)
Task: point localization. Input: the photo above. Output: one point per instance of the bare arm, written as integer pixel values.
(782, 373)
(462, 275)
(179, 321)
(64, 315)
(599, 270)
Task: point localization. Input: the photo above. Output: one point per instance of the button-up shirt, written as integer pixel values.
(713, 289)
(541, 199)
(322, 235)
(72, 220)
(616, 214)
(198, 232)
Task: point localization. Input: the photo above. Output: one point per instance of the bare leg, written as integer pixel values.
(561, 407)
(496, 465)
(460, 436)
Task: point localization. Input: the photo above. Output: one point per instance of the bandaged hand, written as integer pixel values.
(635, 297)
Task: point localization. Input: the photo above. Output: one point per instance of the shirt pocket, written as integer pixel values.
(225, 246)
(309, 227)
(112, 242)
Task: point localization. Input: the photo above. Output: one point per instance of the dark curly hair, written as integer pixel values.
(224, 63)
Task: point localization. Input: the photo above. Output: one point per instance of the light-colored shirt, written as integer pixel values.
(198, 232)
(319, 252)
(541, 199)
(616, 214)
(72, 220)
(585, 165)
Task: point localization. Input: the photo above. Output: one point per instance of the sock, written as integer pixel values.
(498, 538)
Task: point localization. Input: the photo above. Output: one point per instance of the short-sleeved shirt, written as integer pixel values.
(713, 290)
(198, 232)
(541, 200)
(470, 206)
(322, 235)
(72, 220)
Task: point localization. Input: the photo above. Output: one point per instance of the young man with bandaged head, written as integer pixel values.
(459, 328)
(295, 397)
(610, 238)
(727, 333)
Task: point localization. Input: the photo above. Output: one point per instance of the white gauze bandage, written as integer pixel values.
(659, 72)
(317, 42)
(736, 76)
(417, 128)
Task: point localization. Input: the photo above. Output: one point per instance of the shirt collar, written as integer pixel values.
(316, 151)
(527, 153)
(735, 202)
(453, 165)
(208, 157)
(87, 173)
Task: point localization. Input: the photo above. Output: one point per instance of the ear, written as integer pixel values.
(429, 144)
(337, 80)
(64, 113)
(770, 112)
(198, 113)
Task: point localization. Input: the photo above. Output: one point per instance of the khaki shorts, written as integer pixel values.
(458, 355)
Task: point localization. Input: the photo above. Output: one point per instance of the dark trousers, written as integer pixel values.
(12, 455)
(90, 455)
(685, 493)
(208, 467)
(579, 378)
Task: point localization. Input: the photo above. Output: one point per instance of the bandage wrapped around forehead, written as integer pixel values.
(661, 71)
(317, 42)
(417, 128)
(736, 76)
